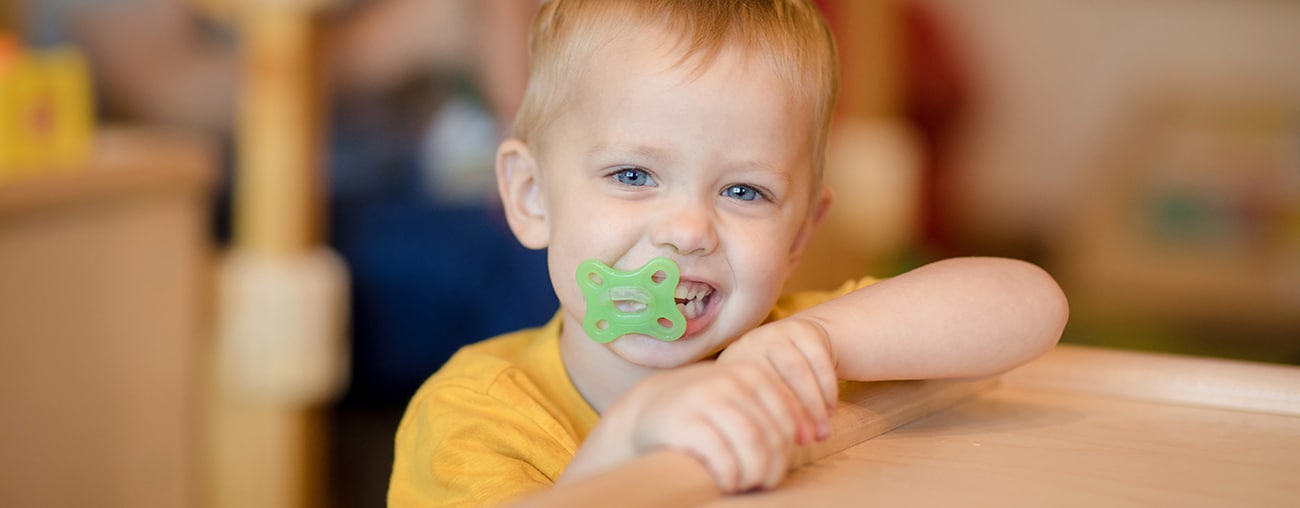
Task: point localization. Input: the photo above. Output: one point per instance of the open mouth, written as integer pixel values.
(693, 298)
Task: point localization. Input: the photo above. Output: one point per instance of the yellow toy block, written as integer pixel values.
(46, 110)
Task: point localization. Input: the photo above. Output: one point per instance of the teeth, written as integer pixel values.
(691, 290)
(691, 298)
(694, 309)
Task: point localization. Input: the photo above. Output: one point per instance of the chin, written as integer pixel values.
(656, 354)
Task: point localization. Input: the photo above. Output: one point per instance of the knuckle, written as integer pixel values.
(747, 374)
(788, 362)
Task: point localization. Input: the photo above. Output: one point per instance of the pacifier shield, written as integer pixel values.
(619, 303)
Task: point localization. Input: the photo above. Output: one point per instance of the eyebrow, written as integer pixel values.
(647, 152)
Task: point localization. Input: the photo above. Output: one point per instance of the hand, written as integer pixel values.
(740, 420)
(799, 351)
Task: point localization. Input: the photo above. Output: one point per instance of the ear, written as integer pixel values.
(519, 181)
(816, 214)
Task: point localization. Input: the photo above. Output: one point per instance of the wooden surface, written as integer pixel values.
(128, 165)
(102, 284)
(1077, 427)
(1082, 427)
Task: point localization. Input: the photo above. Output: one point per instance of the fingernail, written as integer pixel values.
(823, 430)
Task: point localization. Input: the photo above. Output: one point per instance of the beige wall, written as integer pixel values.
(1052, 81)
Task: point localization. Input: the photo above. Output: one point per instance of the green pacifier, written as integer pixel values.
(619, 303)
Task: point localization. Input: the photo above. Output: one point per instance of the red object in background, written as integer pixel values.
(935, 96)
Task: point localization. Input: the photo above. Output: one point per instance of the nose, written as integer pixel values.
(685, 227)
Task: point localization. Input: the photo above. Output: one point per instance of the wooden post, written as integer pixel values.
(11, 15)
(281, 311)
(277, 204)
(870, 38)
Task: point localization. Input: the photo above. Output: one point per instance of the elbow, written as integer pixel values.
(1048, 309)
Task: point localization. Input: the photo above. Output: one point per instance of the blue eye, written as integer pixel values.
(634, 177)
(742, 192)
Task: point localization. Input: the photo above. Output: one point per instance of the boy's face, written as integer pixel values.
(714, 171)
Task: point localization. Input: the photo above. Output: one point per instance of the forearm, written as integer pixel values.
(961, 317)
(608, 445)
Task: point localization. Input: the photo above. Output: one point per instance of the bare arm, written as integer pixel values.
(960, 317)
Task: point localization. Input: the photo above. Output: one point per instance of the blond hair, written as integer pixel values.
(790, 35)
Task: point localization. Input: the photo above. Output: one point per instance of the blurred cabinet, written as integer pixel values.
(103, 288)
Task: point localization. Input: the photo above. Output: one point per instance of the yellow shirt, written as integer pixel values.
(502, 419)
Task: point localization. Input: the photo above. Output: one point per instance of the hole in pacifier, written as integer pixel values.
(664, 322)
(659, 276)
(602, 325)
(595, 278)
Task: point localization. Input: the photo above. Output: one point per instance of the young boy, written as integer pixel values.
(693, 132)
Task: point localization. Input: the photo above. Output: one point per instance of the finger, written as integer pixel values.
(785, 403)
(755, 438)
(705, 440)
(823, 366)
(779, 404)
(799, 375)
(753, 442)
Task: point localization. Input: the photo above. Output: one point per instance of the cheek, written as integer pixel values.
(762, 267)
(580, 234)
(563, 276)
(763, 246)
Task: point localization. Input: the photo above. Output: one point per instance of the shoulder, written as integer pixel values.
(480, 429)
(513, 370)
(491, 380)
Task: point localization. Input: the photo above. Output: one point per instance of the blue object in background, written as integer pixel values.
(429, 273)
(426, 281)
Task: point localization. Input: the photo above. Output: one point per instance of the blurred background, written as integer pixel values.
(236, 235)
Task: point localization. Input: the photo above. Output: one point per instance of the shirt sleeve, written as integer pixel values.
(795, 302)
(459, 447)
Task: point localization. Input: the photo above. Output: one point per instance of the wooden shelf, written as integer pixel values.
(125, 162)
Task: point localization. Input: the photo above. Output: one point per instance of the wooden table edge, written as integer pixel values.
(1163, 378)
